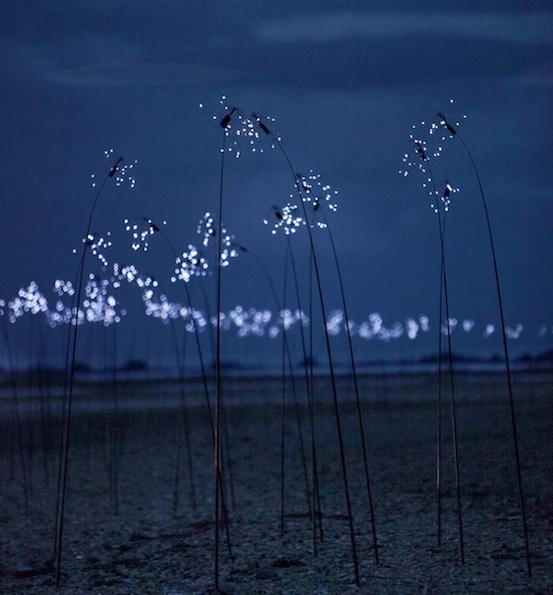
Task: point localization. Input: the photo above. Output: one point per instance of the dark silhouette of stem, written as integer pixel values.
(522, 500)
(315, 505)
(329, 355)
(202, 368)
(439, 412)
(218, 382)
(183, 419)
(286, 357)
(18, 422)
(64, 458)
(356, 387)
(443, 274)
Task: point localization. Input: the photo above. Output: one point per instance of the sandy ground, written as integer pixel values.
(126, 531)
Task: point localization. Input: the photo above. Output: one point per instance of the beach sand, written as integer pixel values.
(125, 531)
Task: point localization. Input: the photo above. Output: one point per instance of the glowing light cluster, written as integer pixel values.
(513, 333)
(335, 322)
(285, 218)
(291, 317)
(468, 325)
(162, 308)
(418, 160)
(448, 192)
(62, 287)
(190, 264)
(229, 248)
(489, 330)
(242, 130)
(124, 175)
(62, 314)
(428, 143)
(544, 330)
(99, 305)
(98, 245)
(206, 229)
(424, 323)
(28, 300)
(121, 172)
(252, 322)
(374, 328)
(449, 326)
(412, 328)
(444, 126)
(195, 320)
(317, 194)
(131, 275)
(140, 237)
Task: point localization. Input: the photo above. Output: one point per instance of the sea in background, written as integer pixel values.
(138, 386)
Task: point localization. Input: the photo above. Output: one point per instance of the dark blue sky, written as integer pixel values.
(345, 84)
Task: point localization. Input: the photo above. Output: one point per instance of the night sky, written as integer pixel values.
(345, 85)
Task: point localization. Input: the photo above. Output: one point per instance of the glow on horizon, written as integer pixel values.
(100, 304)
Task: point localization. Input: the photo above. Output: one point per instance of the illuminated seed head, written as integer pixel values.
(98, 246)
(120, 171)
(141, 232)
(317, 194)
(206, 228)
(242, 130)
(285, 218)
(448, 192)
(225, 121)
(190, 264)
(444, 124)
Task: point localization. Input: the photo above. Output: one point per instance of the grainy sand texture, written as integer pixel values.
(131, 527)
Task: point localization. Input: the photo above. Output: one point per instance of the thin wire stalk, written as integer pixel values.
(522, 499)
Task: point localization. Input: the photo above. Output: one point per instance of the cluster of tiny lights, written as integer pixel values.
(98, 245)
(62, 287)
(206, 229)
(28, 300)
(449, 190)
(229, 249)
(131, 275)
(99, 310)
(317, 194)
(141, 235)
(100, 305)
(428, 142)
(443, 126)
(285, 218)
(124, 174)
(190, 264)
(121, 172)
(418, 161)
(242, 131)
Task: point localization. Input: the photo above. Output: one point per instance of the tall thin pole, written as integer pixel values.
(453, 131)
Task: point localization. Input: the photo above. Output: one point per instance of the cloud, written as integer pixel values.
(143, 74)
(21, 60)
(518, 28)
(128, 70)
(537, 76)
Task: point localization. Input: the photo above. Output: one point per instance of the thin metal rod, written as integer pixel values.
(522, 499)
